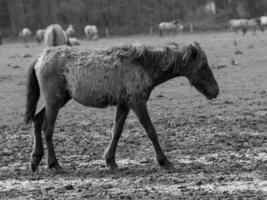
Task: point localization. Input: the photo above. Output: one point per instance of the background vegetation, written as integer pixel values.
(122, 16)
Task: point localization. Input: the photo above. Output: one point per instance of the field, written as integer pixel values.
(218, 147)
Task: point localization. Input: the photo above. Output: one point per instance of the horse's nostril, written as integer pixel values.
(215, 94)
(217, 91)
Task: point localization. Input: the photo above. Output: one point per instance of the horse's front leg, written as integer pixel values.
(141, 112)
(121, 115)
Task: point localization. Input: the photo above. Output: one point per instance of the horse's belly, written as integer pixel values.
(94, 93)
(95, 99)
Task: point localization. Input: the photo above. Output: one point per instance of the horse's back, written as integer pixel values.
(167, 26)
(26, 32)
(90, 29)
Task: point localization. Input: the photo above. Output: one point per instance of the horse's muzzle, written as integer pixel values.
(213, 93)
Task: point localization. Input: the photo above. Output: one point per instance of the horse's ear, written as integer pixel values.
(168, 58)
(194, 51)
(190, 54)
(197, 44)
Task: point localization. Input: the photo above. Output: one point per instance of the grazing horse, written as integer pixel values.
(40, 35)
(120, 76)
(91, 32)
(74, 41)
(70, 31)
(55, 36)
(25, 34)
(239, 25)
(170, 27)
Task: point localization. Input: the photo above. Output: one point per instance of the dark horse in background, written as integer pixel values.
(122, 76)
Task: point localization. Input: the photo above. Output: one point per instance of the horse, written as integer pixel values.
(263, 22)
(74, 41)
(25, 34)
(55, 36)
(91, 32)
(238, 24)
(70, 31)
(253, 25)
(120, 76)
(40, 35)
(170, 27)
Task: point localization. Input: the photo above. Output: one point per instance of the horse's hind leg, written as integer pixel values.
(121, 115)
(38, 148)
(141, 112)
(51, 113)
(55, 99)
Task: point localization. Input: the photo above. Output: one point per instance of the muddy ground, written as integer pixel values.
(218, 147)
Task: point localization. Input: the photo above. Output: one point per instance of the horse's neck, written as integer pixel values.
(161, 76)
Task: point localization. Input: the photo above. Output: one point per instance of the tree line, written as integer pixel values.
(122, 16)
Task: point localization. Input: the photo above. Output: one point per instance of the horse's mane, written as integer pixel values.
(170, 57)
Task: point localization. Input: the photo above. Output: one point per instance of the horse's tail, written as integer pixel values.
(54, 37)
(32, 94)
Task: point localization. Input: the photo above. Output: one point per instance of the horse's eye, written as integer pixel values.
(203, 66)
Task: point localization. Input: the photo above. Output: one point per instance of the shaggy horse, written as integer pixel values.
(40, 35)
(122, 76)
(91, 32)
(25, 34)
(55, 36)
(70, 31)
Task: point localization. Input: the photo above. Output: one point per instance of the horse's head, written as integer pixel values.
(175, 21)
(198, 72)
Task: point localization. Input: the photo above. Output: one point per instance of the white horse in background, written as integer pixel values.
(238, 25)
(91, 32)
(25, 34)
(40, 35)
(263, 22)
(55, 36)
(70, 31)
(170, 27)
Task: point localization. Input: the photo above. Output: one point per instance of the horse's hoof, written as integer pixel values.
(36, 159)
(33, 166)
(59, 170)
(113, 167)
(166, 164)
(111, 163)
(169, 168)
